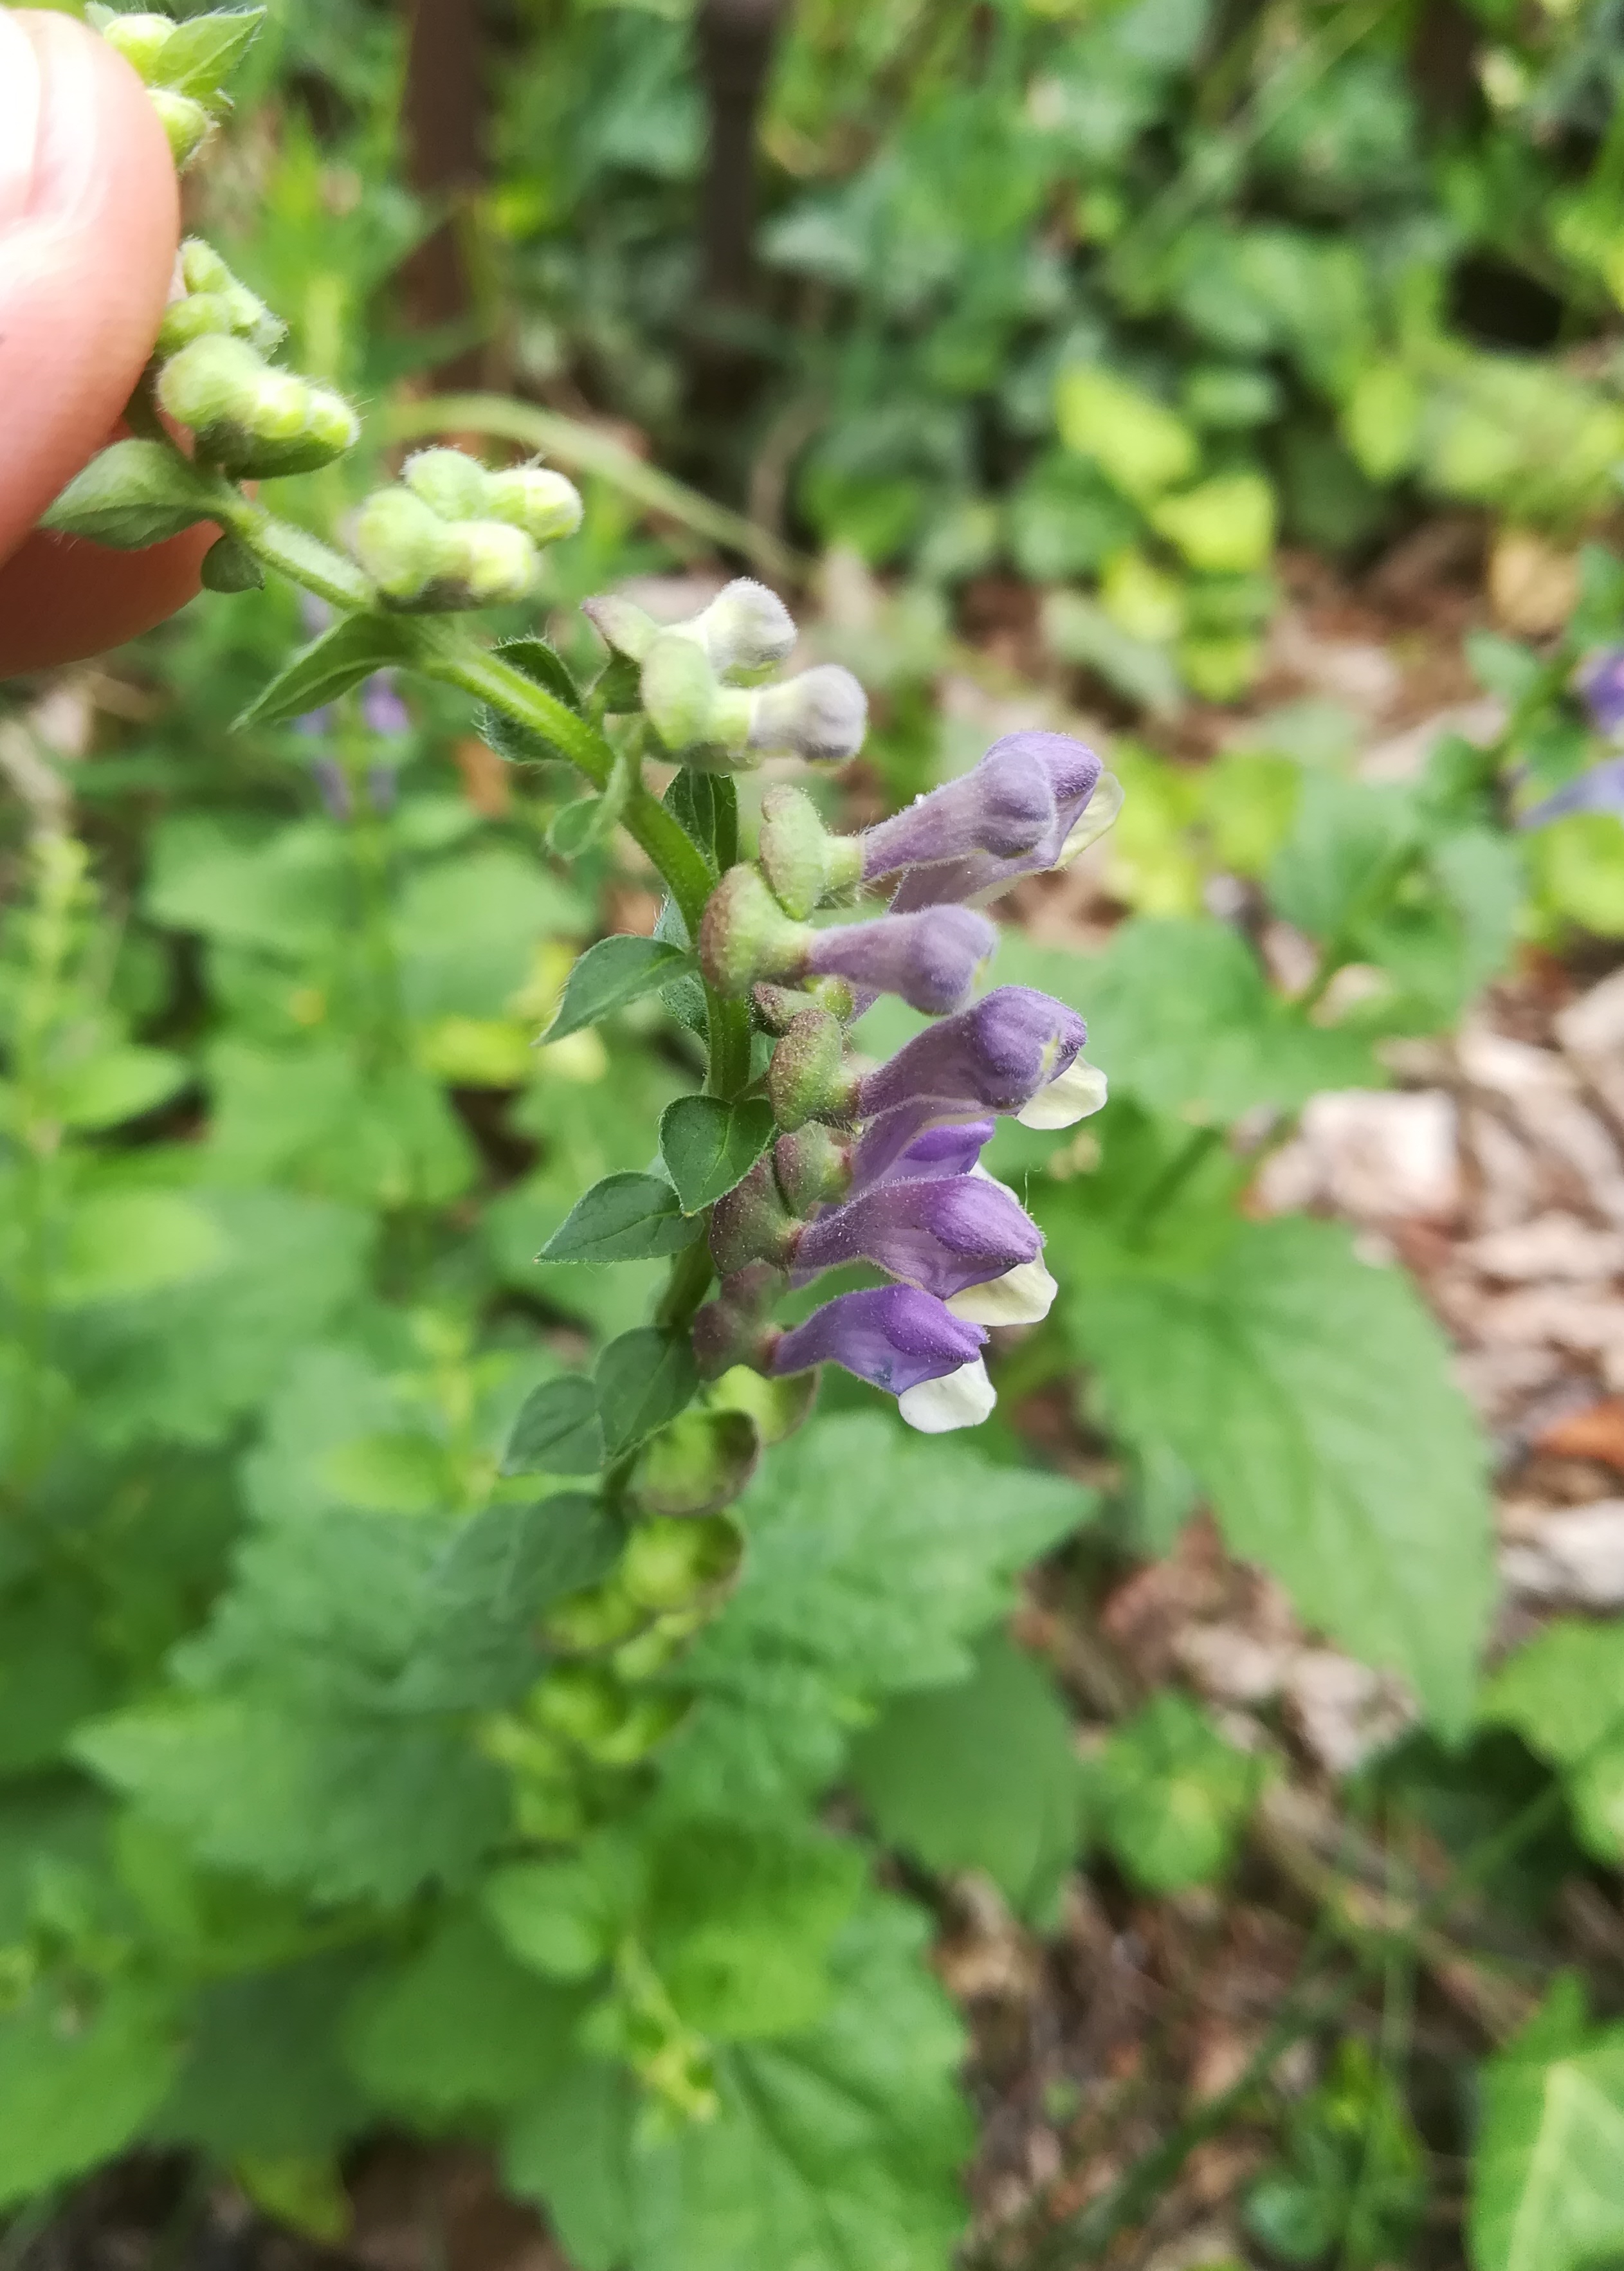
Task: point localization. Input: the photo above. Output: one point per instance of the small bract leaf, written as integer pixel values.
(709, 1145)
(328, 667)
(644, 1379)
(229, 566)
(612, 973)
(558, 1431)
(521, 745)
(201, 54)
(625, 1218)
(135, 494)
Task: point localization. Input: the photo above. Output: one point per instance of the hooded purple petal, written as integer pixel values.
(931, 958)
(942, 1235)
(893, 1336)
(991, 1057)
(979, 867)
(952, 1149)
(1004, 805)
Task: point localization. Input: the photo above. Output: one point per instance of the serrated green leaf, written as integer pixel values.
(263, 2071)
(345, 1806)
(876, 1558)
(835, 2149)
(644, 1379)
(624, 1218)
(1171, 1795)
(340, 659)
(76, 2089)
(1546, 2194)
(1563, 1692)
(709, 1145)
(518, 744)
(459, 2025)
(134, 494)
(982, 1776)
(559, 1431)
(122, 1245)
(1310, 1393)
(610, 974)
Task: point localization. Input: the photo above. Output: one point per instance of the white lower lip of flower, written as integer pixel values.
(1076, 1093)
(959, 1399)
(1023, 1296)
(1096, 815)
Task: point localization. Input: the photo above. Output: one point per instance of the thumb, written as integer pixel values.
(89, 223)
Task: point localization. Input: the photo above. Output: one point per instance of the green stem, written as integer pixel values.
(691, 1271)
(300, 556)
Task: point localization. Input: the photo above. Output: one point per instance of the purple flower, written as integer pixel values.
(972, 851)
(942, 1235)
(894, 1337)
(1601, 683)
(952, 1149)
(382, 707)
(930, 958)
(335, 789)
(1600, 790)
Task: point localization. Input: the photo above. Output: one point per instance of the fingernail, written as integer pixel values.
(20, 103)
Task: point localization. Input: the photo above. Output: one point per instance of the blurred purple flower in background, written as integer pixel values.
(1601, 686)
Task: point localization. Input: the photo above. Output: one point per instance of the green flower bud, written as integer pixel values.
(658, 1646)
(330, 424)
(595, 1618)
(141, 40)
(403, 545)
(535, 498)
(210, 383)
(812, 1167)
(450, 482)
(623, 627)
(701, 1461)
(673, 1564)
(746, 934)
(811, 1077)
(202, 268)
(747, 631)
(193, 318)
(751, 1224)
(775, 1408)
(590, 1707)
(186, 124)
(494, 562)
(680, 691)
(776, 1007)
(278, 407)
(804, 863)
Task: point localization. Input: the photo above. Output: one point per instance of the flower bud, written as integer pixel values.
(186, 123)
(493, 562)
(193, 318)
(202, 268)
(701, 1461)
(804, 863)
(732, 1328)
(330, 426)
(942, 1235)
(894, 1337)
(658, 1644)
(822, 715)
(451, 482)
(746, 934)
(535, 498)
(595, 1618)
(403, 545)
(671, 1563)
(776, 1007)
(812, 1167)
(590, 1707)
(141, 40)
(680, 691)
(210, 383)
(930, 958)
(809, 1076)
(747, 631)
(623, 627)
(775, 1408)
(752, 1223)
(249, 419)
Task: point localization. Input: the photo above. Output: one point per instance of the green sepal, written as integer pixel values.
(229, 566)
